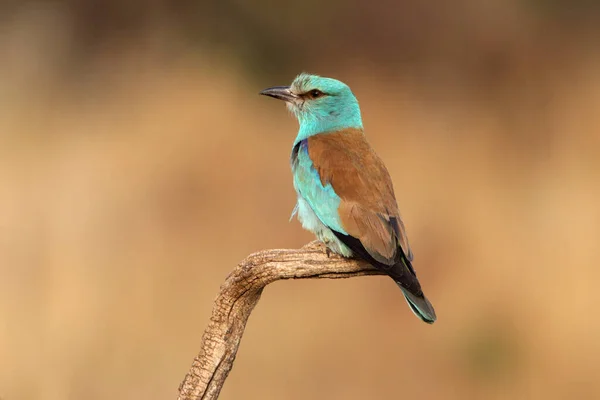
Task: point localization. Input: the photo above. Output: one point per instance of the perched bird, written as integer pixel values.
(345, 193)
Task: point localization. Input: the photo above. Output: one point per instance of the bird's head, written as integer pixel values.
(320, 104)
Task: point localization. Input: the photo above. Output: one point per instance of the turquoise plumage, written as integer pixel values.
(344, 192)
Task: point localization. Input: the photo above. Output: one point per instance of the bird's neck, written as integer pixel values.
(315, 126)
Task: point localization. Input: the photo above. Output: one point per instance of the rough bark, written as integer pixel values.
(237, 297)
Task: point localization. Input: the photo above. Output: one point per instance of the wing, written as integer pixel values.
(321, 197)
(348, 177)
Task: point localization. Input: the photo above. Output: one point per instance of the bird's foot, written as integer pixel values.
(328, 251)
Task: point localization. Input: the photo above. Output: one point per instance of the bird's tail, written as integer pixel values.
(420, 306)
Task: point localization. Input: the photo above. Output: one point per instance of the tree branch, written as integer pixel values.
(239, 294)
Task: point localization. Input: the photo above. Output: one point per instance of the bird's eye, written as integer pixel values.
(315, 93)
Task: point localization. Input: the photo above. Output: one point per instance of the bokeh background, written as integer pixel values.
(138, 165)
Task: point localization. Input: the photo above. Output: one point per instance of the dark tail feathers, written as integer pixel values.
(401, 271)
(420, 306)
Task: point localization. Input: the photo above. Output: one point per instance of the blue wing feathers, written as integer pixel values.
(322, 199)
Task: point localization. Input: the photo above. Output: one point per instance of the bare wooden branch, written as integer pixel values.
(239, 294)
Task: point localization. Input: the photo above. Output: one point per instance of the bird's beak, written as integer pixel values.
(280, 92)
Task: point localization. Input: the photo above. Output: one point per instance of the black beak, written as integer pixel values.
(280, 92)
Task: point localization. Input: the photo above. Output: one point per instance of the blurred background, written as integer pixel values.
(139, 165)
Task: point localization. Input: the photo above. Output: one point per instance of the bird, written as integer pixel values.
(345, 194)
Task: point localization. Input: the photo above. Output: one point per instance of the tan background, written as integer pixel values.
(138, 165)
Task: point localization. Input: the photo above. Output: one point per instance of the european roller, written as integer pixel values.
(344, 192)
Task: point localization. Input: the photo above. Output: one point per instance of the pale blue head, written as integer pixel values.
(320, 104)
